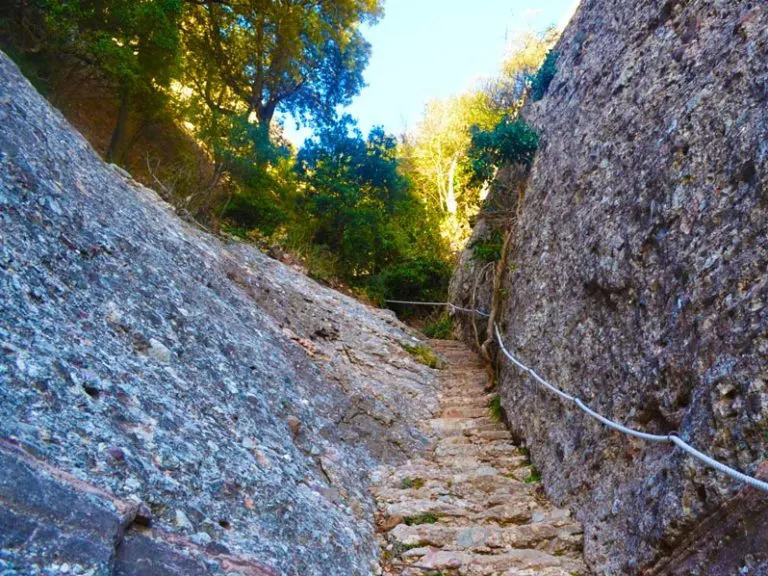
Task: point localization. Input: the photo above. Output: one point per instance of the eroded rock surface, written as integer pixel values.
(473, 505)
(638, 281)
(150, 374)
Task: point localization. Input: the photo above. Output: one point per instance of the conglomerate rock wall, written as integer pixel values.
(638, 278)
(170, 404)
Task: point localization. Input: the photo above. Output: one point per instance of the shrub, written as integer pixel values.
(421, 519)
(543, 78)
(488, 250)
(511, 141)
(420, 278)
(409, 483)
(440, 329)
(423, 354)
(251, 210)
(535, 476)
(322, 265)
(496, 411)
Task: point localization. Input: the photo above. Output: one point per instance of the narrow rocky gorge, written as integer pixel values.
(472, 505)
(175, 404)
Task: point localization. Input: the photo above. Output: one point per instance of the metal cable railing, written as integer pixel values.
(672, 438)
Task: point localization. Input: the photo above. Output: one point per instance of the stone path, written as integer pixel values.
(467, 509)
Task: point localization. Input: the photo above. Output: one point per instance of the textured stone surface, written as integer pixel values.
(639, 271)
(466, 508)
(242, 403)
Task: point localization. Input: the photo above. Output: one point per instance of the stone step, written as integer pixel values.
(465, 412)
(510, 563)
(483, 438)
(466, 509)
(448, 475)
(450, 401)
(480, 450)
(515, 465)
(553, 537)
(492, 435)
(486, 491)
(469, 380)
(504, 509)
(452, 426)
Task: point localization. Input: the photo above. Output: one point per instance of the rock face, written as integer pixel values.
(637, 279)
(171, 404)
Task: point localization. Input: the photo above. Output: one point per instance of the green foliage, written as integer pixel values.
(135, 43)
(511, 141)
(534, 476)
(251, 209)
(322, 265)
(423, 354)
(543, 78)
(488, 250)
(409, 483)
(361, 209)
(222, 70)
(131, 49)
(423, 277)
(305, 58)
(421, 519)
(495, 409)
(440, 329)
(352, 192)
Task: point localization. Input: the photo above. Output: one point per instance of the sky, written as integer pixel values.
(425, 49)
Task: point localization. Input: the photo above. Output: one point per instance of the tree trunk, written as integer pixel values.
(265, 113)
(451, 205)
(114, 152)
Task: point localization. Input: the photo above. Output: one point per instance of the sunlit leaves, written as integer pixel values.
(305, 58)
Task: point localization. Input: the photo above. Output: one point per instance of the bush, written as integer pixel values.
(423, 354)
(249, 210)
(423, 278)
(535, 476)
(495, 409)
(421, 519)
(543, 77)
(440, 329)
(323, 265)
(511, 141)
(488, 250)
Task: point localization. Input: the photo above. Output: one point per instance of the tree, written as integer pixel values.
(438, 159)
(363, 212)
(437, 151)
(134, 44)
(353, 189)
(511, 141)
(305, 57)
(525, 55)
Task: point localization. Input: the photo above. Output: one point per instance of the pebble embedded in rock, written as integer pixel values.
(294, 424)
(117, 454)
(182, 521)
(158, 351)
